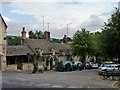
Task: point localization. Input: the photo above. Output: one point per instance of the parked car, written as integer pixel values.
(77, 65)
(94, 65)
(87, 65)
(65, 66)
(109, 67)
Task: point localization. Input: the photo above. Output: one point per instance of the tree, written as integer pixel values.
(95, 43)
(36, 35)
(111, 36)
(81, 44)
(37, 60)
(13, 40)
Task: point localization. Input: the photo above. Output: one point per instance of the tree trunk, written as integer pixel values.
(83, 59)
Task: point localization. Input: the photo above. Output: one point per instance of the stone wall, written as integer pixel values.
(61, 58)
(11, 67)
(26, 66)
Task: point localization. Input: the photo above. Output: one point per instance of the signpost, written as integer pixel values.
(28, 57)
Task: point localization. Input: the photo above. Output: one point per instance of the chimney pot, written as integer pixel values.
(47, 35)
(65, 39)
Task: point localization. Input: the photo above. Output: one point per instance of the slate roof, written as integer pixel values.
(18, 50)
(33, 44)
(43, 44)
(46, 45)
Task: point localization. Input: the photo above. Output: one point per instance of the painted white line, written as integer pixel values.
(22, 79)
(31, 83)
(113, 84)
(75, 86)
(91, 87)
(57, 86)
(11, 82)
(42, 84)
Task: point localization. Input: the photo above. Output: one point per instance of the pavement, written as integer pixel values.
(54, 79)
(0, 80)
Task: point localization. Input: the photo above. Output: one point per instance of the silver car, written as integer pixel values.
(109, 68)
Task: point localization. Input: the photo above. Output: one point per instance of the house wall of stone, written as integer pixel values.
(76, 58)
(2, 44)
(61, 58)
(26, 66)
(12, 67)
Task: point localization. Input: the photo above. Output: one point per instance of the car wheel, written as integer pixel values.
(68, 66)
(80, 69)
(60, 69)
(70, 69)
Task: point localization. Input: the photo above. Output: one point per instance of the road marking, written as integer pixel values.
(113, 84)
(75, 86)
(57, 86)
(11, 82)
(42, 84)
(22, 79)
(31, 83)
(91, 87)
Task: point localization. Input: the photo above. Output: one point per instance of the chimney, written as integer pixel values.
(47, 35)
(65, 39)
(23, 36)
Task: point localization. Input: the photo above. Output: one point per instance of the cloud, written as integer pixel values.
(61, 0)
(80, 14)
(95, 22)
(6, 19)
(119, 5)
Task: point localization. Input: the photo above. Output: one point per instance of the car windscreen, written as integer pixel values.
(106, 65)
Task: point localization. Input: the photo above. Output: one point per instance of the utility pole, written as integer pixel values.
(43, 23)
(67, 27)
(48, 26)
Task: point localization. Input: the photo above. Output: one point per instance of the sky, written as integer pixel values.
(76, 14)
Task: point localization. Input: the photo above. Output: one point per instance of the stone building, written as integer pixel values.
(16, 55)
(3, 28)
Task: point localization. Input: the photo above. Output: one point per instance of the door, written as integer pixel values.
(19, 63)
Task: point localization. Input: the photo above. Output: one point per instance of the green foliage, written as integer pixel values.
(81, 43)
(36, 58)
(96, 42)
(111, 36)
(13, 40)
(56, 40)
(36, 35)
